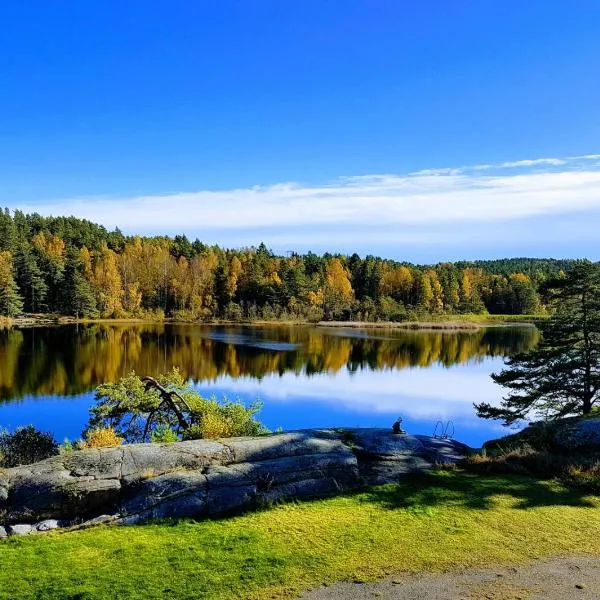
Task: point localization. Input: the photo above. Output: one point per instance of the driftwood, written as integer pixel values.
(168, 399)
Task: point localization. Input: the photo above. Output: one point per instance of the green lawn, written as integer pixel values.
(444, 520)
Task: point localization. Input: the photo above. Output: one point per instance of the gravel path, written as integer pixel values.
(572, 578)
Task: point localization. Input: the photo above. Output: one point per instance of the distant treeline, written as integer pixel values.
(74, 267)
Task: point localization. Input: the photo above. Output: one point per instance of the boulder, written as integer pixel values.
(21, 529)
(47, 525)
(577, 434)
(571, 434)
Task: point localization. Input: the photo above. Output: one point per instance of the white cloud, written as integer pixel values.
(436, 197)
(433, 393)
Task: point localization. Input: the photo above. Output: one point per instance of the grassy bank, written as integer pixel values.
(442, 521)
(450, 322)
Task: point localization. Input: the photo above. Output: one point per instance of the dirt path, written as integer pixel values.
(572, 578)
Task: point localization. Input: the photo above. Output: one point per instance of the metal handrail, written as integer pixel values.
(446, 430)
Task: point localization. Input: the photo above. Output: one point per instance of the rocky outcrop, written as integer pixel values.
(573, 434)
(578, 434)
(202, 478)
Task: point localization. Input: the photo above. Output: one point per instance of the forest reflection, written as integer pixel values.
(70, 360)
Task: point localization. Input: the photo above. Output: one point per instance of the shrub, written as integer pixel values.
(163, 435)
(233, 312)
(71, 445)
(102, 437)
(224, 419)
(25, 446)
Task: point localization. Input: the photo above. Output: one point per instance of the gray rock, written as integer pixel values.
(308, 488)
(283, 470)
(190, 505)
(570, 434)
(154, 491)
(47, 525)
(142, 461)
(20, 529)
(573, 434)
(3, 532)
(99, 520)
(99, 463)
(85, 497)
(284, 444)
(230, 499)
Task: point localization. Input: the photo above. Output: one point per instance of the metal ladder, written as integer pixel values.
(443, 431)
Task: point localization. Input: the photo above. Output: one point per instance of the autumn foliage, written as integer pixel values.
(72, 266)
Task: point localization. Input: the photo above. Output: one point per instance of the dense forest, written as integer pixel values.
(74, 267)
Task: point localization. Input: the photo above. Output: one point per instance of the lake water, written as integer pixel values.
(305, 376)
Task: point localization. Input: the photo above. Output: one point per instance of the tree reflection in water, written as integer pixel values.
(69, 360)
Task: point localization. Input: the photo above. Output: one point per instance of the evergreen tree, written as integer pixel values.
(11, 303)
(8, 231)
(30, 279)
(78, 296)
(561, 376)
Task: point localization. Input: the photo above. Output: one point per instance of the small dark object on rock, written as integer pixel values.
(396, 426)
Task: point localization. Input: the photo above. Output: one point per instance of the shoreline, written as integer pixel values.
(449, 323)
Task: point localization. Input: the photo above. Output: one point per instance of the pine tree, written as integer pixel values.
(30, 279)
(561, 377)
(11, 303)
(8, 231)
(78, 296)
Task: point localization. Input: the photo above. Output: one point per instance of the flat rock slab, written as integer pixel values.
(565, 578)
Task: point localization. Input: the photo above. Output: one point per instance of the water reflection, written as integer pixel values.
(305, 376)
(70, 360)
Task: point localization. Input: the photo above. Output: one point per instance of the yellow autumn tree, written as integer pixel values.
(107, 283)
(233, 275)
(337, 293)
(397, 283)
(436, 304)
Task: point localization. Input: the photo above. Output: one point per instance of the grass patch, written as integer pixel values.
(440, 521)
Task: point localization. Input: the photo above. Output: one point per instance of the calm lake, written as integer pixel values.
(305, 376)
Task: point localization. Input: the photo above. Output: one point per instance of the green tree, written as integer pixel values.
(78, 296)
(30, 279)
(561, 377)
(11, 303)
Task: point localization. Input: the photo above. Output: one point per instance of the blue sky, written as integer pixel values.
(411, 129)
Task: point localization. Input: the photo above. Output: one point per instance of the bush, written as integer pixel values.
(163, 435)
(25, 446)
(102, 437)
(234, 312)
(222, 420)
